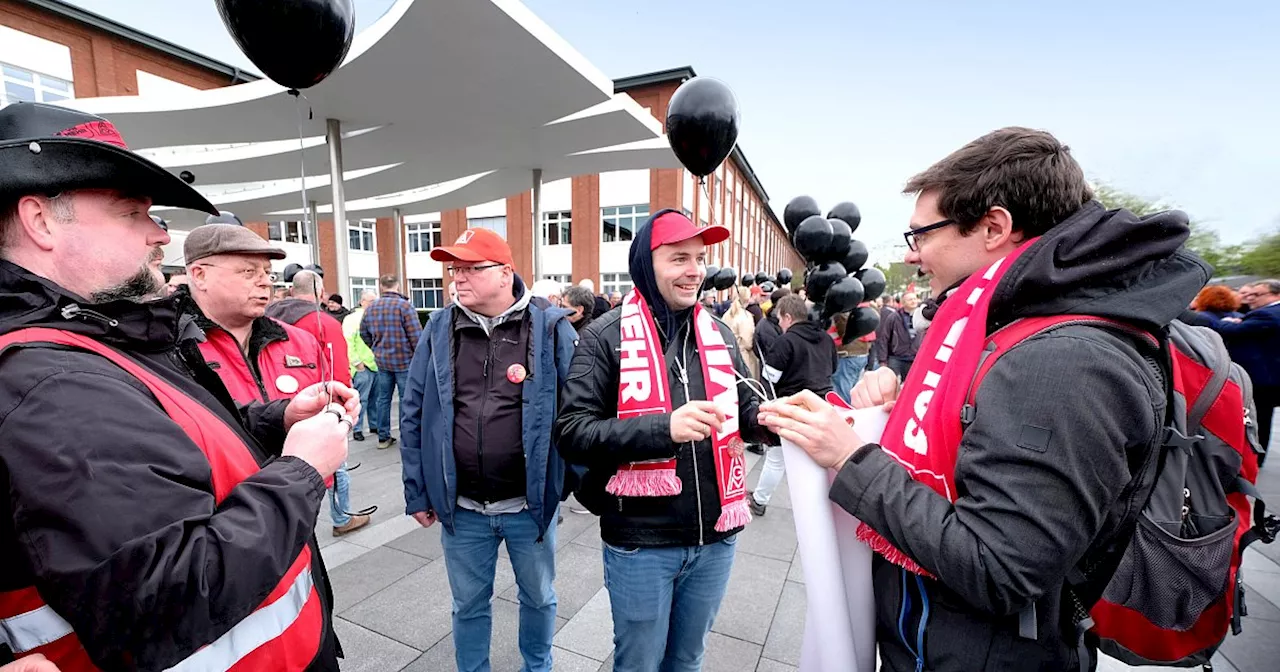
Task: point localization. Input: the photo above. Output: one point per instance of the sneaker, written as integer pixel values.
(358, 435)
(387, 443)
(755, 448)
(357, 521)
(757, 509)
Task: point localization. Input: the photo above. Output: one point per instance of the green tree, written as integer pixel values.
(1262, 257)
(897, 276)
(1204, 241)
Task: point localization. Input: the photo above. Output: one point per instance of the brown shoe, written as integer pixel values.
(357, 521)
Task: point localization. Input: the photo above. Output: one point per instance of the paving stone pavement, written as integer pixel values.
(393, 605)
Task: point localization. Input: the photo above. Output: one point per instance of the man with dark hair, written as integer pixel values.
(978, 518)
(768, 331)
(582, 303)
(391, 329)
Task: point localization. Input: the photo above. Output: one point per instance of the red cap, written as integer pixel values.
(673, 227)
(474, 246)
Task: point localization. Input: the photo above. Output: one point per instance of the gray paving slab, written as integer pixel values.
(797, 569)
(767, 665)
(422, 542)
(338, 553)
(726, 654)
(1255, 650)
(590, 632)
(787, 631)
(607, 666)
(415, 610)
(589, 537)
(772, 535)
(579, 576)
(367, 651)
(360, 578)
(504, 648)
(754, 586)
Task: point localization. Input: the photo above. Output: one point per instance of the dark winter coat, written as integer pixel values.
(803, 359)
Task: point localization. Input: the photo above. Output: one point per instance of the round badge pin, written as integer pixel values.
(287, 384)
(516, 373)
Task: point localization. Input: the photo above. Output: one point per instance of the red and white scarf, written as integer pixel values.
(643, 390)
(924, 430)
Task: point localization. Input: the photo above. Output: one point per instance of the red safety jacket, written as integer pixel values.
(286, 359)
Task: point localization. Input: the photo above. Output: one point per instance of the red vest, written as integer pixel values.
(287, 366)
(283, 633)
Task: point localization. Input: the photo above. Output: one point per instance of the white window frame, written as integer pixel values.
(367, 230)
(563, 220)
(615, 282)
(614, 216)
(289, 232)
(358, 285)
(46, 89)
(496, 224)
(422, 290)
(424, 235)
(562, 278)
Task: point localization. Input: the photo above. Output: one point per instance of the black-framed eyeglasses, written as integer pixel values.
(912, 236)
(470, 270)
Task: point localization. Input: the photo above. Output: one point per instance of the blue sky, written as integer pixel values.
(845, 100)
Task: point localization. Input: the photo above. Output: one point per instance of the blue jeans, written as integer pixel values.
(387, 382)
(364, 381)
(847, 375)
(664, 602)
(470, 559)
(339, 497)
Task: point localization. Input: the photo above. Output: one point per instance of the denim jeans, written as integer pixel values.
(470, 559)
(387, 382)
(339, 497)
(847, 375)
(664, 602)
(364, 381)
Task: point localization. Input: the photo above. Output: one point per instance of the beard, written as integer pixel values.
(143, 285)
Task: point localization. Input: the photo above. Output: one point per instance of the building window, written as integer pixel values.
(423, 236)
(289, 232)
(615, 282)
(620, 223)
(360, 235)
(427, 293)
(497, 225)
(562, 279)
(18, 85)
(358, 285)
(557, 228)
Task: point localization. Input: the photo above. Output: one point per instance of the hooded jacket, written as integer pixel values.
(325, 326)
(590, 434)
(108, 506)
(803, 359)
(1047, 469)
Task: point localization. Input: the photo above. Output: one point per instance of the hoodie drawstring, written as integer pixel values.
(918, 649)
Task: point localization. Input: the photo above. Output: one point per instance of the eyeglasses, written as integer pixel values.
(469, 271)
(247, 273)
(913, 236)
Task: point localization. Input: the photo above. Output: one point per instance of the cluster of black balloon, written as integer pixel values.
(292, 270)
(723, 278)
(835, 280)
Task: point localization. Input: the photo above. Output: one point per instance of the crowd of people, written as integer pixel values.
(166, 448)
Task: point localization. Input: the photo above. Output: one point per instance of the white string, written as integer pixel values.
(306, 226)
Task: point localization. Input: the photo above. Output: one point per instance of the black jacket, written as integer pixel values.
(108, 506)
(1046, 470)
(895, 338)
(767, 333)
(803, 359)
(589, 433)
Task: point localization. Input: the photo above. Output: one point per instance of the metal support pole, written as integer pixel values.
(538, 268)
(397, 228)
(340, 278)
(313, 231)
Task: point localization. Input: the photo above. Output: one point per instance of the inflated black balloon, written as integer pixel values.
(799, 209)
(748, 279)
(290, 271)
(873, 283)
(848, 213)
(295, 43)
(316, 268)
(725, 278)
(767, 287)
(187, 176)
(841, 235)
(812, 238)
(784, 277)
(857, 255)
(816, 317)
(762, 277)
(842, 297)
(708, 283)
(820, 278)
(702, 124)
(224, 217)
(862, 321)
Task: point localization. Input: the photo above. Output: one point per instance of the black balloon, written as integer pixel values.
(702, 124)
(812, 238)
(762, 277)
(862, 321)
(748, 279)
(799, 209)
(725, 278)
(857, 255)
(784, 277)
(820, 278)
(296, 43)
(847, 213)
(817, 317)
(873, 283)
(316, 268)
(767, 286)
(224, 217)
(290, 271)
(841, 235)
(708, 283)
(842, 297)
(187, 176)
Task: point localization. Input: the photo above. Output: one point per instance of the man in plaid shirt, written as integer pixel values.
(391, 328)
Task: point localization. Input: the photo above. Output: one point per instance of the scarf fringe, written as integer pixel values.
(888, 551)
(733, 515)
(644, 483)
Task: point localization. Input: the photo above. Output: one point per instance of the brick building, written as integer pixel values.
(52, 51)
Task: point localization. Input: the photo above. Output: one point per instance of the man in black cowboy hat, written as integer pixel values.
(146, 521)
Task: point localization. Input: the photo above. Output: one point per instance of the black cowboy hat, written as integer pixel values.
(46, 149)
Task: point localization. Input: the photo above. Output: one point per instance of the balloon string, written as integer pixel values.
(306, 226)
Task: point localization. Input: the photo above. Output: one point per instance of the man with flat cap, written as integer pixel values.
(147, 521)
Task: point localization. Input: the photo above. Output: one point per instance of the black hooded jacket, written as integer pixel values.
(1049, 467)
(589, 433)
(804, 358)
(108, 506)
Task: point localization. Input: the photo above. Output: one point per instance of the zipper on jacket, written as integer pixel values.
(256, 376)
(484, 398)
(693, 446)
(72, 311)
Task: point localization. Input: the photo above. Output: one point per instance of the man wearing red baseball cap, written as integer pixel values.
(484, 464)
(657, 409)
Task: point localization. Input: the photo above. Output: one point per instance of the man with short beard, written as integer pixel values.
(147, 516)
